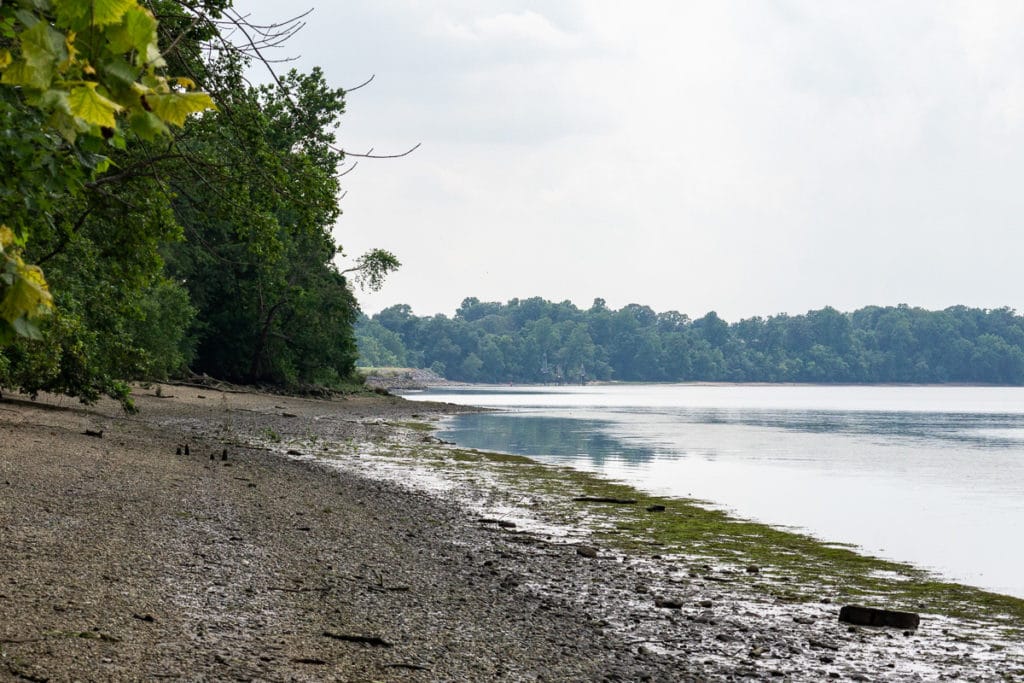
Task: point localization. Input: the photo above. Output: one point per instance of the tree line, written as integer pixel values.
(534, 340)
(161, 214)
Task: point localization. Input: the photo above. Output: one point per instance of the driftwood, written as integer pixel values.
(362, 640)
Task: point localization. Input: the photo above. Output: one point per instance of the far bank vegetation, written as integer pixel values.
(534, 340)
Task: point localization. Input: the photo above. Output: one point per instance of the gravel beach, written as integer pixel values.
(192, 541)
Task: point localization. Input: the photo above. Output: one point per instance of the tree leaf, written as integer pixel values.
(28, 295)
(175, 107)
(90, 106)
(43, 48)
(137, 32)
(20, 73)
(24, 327)
(106, 12)
(146, 125)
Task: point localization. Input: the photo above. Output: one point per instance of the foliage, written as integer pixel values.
(534, 340)
(372, 267)
(210, 248)
(258, 199)
(76, 77)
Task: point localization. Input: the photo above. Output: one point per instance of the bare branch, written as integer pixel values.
(364, 83)
(368, 155)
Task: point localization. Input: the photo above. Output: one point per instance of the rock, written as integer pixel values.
(871, 616)
(803, 620)
(822, 644)
(292, 451)
(586, 551)
(667, 603)
(706, 603)
(753, 569)
(655, 508)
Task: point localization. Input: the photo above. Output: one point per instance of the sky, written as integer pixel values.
(751, 158)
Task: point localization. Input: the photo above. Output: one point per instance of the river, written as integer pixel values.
(931, 475)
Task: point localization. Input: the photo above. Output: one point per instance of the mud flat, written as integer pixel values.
(303, 539)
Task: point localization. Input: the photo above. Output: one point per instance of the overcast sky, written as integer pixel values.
(746, 157)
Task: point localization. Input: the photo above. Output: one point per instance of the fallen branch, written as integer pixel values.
(362, 640)
(402, 665)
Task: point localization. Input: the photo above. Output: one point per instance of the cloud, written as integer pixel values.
(751, 158)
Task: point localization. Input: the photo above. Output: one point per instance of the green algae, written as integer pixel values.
(785, 564)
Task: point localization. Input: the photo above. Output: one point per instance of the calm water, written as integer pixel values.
(929, 475)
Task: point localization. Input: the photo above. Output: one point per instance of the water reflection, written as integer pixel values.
(968, 429)
(539, 436)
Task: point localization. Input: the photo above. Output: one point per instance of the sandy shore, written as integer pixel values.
(122, 560)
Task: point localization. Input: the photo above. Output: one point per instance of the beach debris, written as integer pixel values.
(503, 523)
(178, 451)
(98, 433)
(373, 641)
(309, 660)
(604, 499)
(148, 618)
(871, 616)
(404, 665)
(224, 454)
(186, 449)
(655, 508)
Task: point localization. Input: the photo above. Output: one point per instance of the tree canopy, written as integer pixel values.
(533, 340)
(183, 222)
